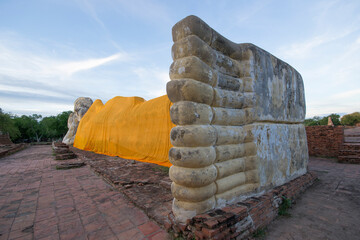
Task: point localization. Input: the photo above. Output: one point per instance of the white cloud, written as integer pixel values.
(327, 108)
(31, 107)
(328, 58)
(341, 70)
(41, 67)
(153, 80)
(18, 61)
(332, 22)
(342, 102)
(347, 94)
(33, 80)
(31, 72)
(76, 66)
(148, 11)
(250, 10)
(24, 89)
(305, 48)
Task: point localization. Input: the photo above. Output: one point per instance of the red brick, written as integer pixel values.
(73, 235)
(122, 226)
(149, 227)
(324, 140)
(133, 233)
(167, 225)
(51, 237)
(162, 235)
(103, 233)
(138, 218)
(44, 232)
(19, 234)
(44, 214)
(95, 217)
(199, 235)
(71, 226)
(208, 233)
(211, 223)
(46, 223)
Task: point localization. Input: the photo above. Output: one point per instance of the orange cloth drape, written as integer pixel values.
(128, 127)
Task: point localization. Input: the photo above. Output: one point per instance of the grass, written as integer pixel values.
(284, 207)
(161, 169)
(259, 233)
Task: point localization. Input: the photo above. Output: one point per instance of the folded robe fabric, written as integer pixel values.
(128, 127)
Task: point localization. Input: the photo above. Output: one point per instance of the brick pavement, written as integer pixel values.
(330, 209)
(39, 202)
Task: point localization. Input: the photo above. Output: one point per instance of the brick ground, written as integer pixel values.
(146, 185)
(330, 209)
(39, 202)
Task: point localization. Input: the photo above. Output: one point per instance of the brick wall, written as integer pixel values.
(325, 141)
(7, 150)
(240, 220)
(5, 139)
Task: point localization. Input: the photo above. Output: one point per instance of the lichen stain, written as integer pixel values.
(276, 87)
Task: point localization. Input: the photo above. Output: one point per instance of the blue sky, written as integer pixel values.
(53, 51)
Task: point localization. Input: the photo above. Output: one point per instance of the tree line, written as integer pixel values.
(34, 128)
(346, 120)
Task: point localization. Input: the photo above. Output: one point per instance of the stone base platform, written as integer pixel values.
(12, 148)
(243, 218)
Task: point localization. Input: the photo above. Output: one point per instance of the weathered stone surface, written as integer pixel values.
(233, 151)
(190, 113)
(189, 90)
(230, 167)
(193, 177)
(193, 136)
(190, 194)
(278, 88)
(193, 157)
(72, 124)
(192, 25)
(330, 122)
(281, 151)
(232, 117)
(185, 210)
(192, 67)
(226, 183)
(234, 194)
(81, 105)
(237, 104)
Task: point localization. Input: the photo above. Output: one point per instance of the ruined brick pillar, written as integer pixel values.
(238, 112)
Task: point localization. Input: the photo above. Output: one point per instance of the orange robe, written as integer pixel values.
(128, 127)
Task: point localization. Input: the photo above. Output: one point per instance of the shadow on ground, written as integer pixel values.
(330, 209)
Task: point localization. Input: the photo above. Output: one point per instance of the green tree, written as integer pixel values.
(312, 121)
(7, 125)
(54, 127)
(29, 127)
(34, 127)
(335, 118)
(322, 121)
(351, 119)
(62, 120)
(48, 128)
